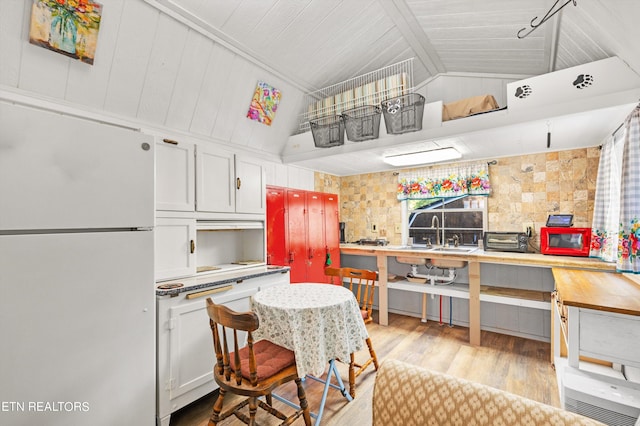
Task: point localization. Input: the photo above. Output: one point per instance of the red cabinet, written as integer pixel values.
(302, 232)
(276, 246)
(296, 234)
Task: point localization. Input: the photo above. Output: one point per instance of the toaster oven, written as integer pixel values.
(506, 241)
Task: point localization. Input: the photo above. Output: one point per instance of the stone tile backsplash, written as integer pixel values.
(526, 189)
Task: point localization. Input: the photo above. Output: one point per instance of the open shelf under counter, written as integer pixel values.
(516, 297)
(503, 295)
(454, 290)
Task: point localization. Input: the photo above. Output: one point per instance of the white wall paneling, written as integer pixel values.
(162, 69)
(11, 28)
(188, 84)
(136, 35)
(88, 84)
(209, 99)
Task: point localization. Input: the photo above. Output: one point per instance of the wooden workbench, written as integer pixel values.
(474, 259)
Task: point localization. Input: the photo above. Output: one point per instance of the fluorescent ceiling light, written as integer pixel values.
(422, 157)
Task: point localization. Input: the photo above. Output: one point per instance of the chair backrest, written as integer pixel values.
(361, 282)
(334, 274)
(222, 321)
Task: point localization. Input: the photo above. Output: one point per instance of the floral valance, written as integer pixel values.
(471, 179)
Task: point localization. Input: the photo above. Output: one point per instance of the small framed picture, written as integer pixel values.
(69, 27)
(264, 103)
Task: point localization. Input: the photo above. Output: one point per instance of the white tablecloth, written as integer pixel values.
(319, 322)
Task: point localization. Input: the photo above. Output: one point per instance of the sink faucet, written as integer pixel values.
(435, 223)
(455, 240)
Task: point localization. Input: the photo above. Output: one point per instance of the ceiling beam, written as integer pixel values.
(552, 38)
(399, 12)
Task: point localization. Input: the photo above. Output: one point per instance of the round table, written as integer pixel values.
(319, 322)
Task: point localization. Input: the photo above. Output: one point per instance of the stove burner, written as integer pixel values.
(370, 242)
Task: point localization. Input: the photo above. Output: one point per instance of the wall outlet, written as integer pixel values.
(527, 228)
(374, 227)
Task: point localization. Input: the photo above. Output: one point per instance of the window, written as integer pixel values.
(441, 220)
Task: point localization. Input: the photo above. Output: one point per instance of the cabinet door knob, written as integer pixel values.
(238, 183)
(193, 246)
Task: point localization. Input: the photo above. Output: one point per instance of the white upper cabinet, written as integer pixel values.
(250, 185)
(211, 182)
(228, 183)
(215, 177)
(175, 176)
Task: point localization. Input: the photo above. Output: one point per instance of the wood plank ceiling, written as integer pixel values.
(322, 42)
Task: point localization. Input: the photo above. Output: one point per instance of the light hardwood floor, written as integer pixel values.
(517, 365)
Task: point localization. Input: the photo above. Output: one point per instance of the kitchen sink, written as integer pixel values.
(414, 247)
(451, 263)
(454, 249)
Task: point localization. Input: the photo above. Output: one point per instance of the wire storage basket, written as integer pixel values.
(403, 114)
(327, 131)
(362, 123)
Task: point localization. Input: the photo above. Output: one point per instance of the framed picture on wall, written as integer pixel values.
(264, 103)
(69, 27)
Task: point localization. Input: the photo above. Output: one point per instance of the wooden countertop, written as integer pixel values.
(602, 291)
(479, 255)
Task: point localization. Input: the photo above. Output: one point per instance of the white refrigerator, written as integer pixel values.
(76, 271)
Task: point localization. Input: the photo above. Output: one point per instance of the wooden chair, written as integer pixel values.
(363, 281)
(252, 371)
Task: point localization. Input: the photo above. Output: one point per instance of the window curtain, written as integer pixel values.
(454, 181)
(606, 209)
(615, 231)
(629, 235)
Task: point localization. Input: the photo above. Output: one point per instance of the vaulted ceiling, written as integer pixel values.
(316, 43)
(189, 67)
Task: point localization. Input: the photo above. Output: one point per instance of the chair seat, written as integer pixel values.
(270, 359)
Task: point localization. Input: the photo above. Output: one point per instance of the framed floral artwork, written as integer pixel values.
(264, 103)
(69, 27)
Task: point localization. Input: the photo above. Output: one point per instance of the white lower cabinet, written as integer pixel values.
(185, 355)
